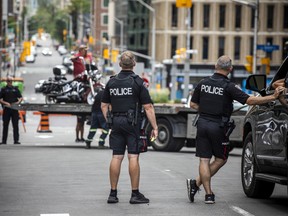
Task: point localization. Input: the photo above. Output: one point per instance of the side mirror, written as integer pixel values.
(256, 82)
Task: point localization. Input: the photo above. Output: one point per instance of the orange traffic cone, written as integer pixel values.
(44, 124)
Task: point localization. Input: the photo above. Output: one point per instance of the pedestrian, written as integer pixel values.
(80, 60)
(97, 121)
(10, 95)
(126, 94)
(213, 98)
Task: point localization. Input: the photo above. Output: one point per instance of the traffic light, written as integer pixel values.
(184, 3)
(266, 63)
(249, 65)
(16, 6)
(106, 54)
(64, 34)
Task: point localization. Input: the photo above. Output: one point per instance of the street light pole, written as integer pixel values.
(153, 35)
(255, 6)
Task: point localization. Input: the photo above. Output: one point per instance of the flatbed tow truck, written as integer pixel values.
(174, 122)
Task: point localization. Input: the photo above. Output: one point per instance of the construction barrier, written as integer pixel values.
(44, 124)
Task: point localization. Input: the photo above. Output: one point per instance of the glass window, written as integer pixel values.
(237, 45)
(285, 48)
(252, 17)
(285, 17)
(221, 46)
(105, 3)
(222, 14)
(270, 16)
(174, 16)
(251, 47)
(238, 10)
(191, 47)
(104, 19)
(269, 41)
(192, 16)
(205, 48)
(173, 45)
(206, 15)
(105, 35)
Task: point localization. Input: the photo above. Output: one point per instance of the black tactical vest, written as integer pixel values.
(214, 102)
(124, 93)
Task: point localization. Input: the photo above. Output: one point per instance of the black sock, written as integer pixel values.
(113, 192)
(135, 191)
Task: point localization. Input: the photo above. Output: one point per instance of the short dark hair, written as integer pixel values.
(127, 60)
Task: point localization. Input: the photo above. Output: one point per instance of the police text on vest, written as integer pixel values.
(212, 89)
(121, 91)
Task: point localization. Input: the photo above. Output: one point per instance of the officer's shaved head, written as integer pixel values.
(223, 63)
(127, 60)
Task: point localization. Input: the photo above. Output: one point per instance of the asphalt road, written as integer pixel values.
(51, 175)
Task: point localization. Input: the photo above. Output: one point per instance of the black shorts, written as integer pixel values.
(211, 140)
(123, 134)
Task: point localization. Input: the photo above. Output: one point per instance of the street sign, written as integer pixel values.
(267, 48)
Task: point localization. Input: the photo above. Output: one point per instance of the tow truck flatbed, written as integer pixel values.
(73, 109)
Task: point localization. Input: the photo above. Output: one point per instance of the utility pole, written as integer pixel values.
(255, 7)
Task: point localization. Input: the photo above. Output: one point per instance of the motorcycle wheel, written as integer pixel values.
(50, 100)
(90, 98)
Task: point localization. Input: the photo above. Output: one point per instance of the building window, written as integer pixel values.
(174, 16)
(252, 17)
(238, 10)
(105, 35)
(206, 15)
(192, 16)
(285, 48)
(285, 17)
(221, 46)
(270, 15)
(222, 14)
(269, 41)
(104, 20)
(205, 48)
(191, 47)
(105, 3)
(251, 48)
(237, 45)
(173, 45)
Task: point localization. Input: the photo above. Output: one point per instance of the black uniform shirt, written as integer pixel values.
(232, 90)
(10, 94)
(144, 94)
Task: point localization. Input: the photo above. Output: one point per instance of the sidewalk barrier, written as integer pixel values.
(44, 124)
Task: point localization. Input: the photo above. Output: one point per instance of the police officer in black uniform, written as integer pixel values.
(10, 95)
(126, 94)
(213, 98)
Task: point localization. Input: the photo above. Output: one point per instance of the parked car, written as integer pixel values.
(62, 50)
(30, 58)
(46, 51)
(264, 157)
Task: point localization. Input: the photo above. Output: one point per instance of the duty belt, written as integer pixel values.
(119, 114)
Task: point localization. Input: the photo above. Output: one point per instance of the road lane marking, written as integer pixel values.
(65, 214)
(241, 211)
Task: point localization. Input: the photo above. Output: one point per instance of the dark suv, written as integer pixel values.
(264, 157)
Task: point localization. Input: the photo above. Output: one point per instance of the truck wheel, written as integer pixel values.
(253, 187)
(165, 140)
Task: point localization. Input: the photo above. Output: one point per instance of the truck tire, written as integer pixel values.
(253, 187)
(165, 140)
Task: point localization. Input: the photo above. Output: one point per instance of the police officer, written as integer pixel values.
(126, 94)
(97, 121)
(213, 98)
(10, 95)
